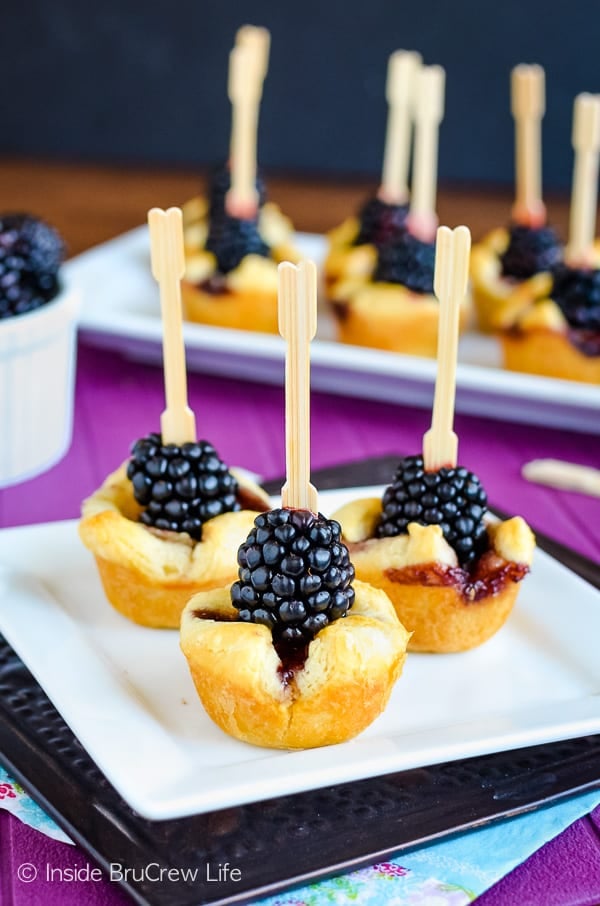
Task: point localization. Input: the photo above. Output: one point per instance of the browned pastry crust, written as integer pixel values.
(344, 259)
(446, 608)
(246, 297)
(497, 300)
(343, 685)
(389, 316)
(149, 575)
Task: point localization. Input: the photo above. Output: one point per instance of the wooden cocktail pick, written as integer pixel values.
(429, 111)
(177, 423)
(402, 72)
(440, 443)
(528, 104)
(298, 325)
(260, 39)
(586, 142)
(247, 69)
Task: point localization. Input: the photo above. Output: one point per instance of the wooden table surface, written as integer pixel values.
(92, 203)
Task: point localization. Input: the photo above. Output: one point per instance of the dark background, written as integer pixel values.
(146, 82)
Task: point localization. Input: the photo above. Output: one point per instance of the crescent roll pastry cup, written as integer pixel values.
(539, 343)
(343, 685)
(497, 299)
(344, 259)
(148, 575)
(246, 297)
(389, 316)
(445, 607)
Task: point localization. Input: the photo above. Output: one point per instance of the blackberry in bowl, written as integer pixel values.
(452, 574)
(38, 311)
(296, 653)
(167, 524)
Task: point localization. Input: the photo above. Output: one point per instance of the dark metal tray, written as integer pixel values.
(287, 841)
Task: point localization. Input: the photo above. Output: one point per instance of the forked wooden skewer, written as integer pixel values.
(582, 218)
(298, 325)
(177, 423)
(429, 111)
(247, 66)
(440, 443)
(567, 476)
(260, 39)
(528, 105)
(403, 68)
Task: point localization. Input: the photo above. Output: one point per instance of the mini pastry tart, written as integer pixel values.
(246, 297)
(542, 342)
(447, 608)
(389, 316)
(344, 259)
(148, 575)
(499, 300)
(334, 693)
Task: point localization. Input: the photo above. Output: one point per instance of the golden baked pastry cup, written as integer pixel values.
(389, 316)
(246, 297)
(498, 301)
(345, 260)
(443, 607)
(539, 344)
(345, 683)
(149, 575)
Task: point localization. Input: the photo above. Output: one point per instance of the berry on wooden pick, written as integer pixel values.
(247, 69)
(295, 573)
(179, 482)
(177, 423)
(403, 68)
(298, 325)
(429, 112)
(586, 143)
(528, 107)
(440, 443)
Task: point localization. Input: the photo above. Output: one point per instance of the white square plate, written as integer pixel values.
(121, 311)
(125, 691)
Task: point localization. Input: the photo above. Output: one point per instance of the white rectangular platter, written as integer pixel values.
(125, 691)
(121, 311)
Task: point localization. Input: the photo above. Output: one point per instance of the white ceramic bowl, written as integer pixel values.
(37, 380)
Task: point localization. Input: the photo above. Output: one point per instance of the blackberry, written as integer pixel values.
(295, 575)
(530, 251)
(31, 252)
(577, 293)
(380, 222)
(180, 487)
(408, 261)
(219, 185)
(451, 498)
(230, 239)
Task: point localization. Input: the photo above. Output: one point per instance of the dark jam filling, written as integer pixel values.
(586, 341)
(530, 251)
(489, 577)
(407, 261)
(215, 285)
(292, 661)
(217, 617)
(341, 310)
(380, 223)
